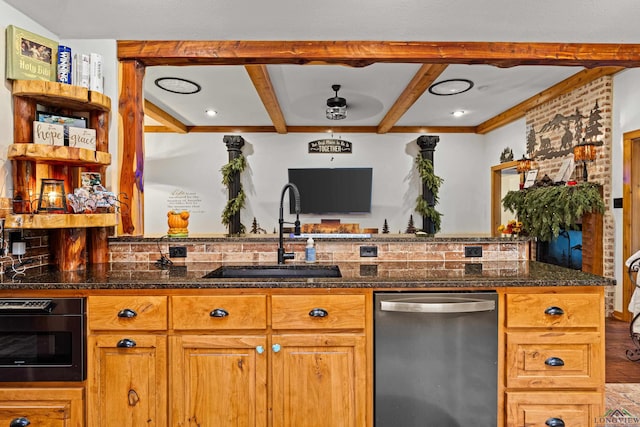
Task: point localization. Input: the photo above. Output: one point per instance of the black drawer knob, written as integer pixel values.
(554, 361)
(19, 422)
(554, 311)
(126, 343)
(318, 312)
(554, 422)
(127, 313)
(219, 312)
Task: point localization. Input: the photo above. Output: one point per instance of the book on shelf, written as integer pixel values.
(81, 69)
(30, 56)
(95, 72)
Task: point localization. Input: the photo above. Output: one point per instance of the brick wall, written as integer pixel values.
(563, 122)
(264, 250)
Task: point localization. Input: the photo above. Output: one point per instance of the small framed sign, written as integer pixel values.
(48, 133)
(82, 138)
(330, 146)
(531, 178)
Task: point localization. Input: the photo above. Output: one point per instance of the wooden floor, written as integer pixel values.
(619, 369)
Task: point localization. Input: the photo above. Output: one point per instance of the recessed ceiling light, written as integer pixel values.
(178, 85)
(211, 112)
(459, 113)
(450, 87)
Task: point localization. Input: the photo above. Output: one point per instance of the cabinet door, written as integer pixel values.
(218, 381)
(127, 381)
(319, 380)
(42, 407)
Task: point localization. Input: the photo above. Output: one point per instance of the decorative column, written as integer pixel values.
(427, 144)
(234, 148)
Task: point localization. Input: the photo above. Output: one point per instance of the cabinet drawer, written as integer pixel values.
(127, 312)
(318, 311)
(557, 310)
(554, 360)
(219, 312)
(574, 409)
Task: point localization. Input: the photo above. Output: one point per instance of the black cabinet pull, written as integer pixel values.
(219, 312)
(554, 422)
(554, 311)
(318, 312)
(126, 343)
(127, 313)
(19, 422)
(554, 361)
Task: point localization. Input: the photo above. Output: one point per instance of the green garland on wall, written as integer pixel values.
(233, 206)
(545, 211)
(433, 183)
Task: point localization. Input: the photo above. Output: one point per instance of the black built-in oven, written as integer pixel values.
(42, 339)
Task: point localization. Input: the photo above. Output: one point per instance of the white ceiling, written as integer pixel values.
(370, 91)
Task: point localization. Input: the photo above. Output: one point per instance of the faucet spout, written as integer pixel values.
(282, 255)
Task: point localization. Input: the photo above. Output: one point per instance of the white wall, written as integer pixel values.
(626, 118)
(190, 165)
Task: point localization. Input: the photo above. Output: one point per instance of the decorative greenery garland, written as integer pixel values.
(432, 183)
(233, 206)
(545, 211)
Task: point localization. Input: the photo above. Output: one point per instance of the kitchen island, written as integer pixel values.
(206, 351)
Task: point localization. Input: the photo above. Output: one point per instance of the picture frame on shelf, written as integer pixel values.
(530, 178)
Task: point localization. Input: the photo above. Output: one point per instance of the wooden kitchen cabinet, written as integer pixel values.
(218, 380)
(554, 358)
(43, 407)
(127, 361)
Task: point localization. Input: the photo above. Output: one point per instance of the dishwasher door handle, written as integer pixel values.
(455, 305)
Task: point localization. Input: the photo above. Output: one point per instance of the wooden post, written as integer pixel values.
(131, 147)
(68, 248)
(98, 245)
(427, 144)
(234, 147)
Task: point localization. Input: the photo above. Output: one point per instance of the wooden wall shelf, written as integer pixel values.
(61, 95)
(52, 221)
(58, 154)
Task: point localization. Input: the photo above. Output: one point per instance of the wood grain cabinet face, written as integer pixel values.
(539, 409)
(132, 313)
(318, 312)
(222, 312)
(127, 384)
(42, 407)
(554, 359)
(218, 381)
(319, 380)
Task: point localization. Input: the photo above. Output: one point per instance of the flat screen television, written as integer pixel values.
(332, 190)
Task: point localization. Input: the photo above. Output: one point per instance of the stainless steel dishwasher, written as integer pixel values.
(436, 358)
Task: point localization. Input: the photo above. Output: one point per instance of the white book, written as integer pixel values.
(83, 70)
(96, 76)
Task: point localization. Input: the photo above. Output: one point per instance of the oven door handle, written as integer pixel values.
(126, 343)
(454, 305)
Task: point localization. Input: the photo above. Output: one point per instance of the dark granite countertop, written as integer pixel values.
(380, 275)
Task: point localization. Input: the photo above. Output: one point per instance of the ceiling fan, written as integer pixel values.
(336, 106)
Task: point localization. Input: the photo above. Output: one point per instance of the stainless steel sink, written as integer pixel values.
(280, 271)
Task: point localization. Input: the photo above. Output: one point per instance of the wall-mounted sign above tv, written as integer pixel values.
(332, 190)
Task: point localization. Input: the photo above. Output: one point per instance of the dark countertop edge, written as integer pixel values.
(274, 237)
(311, 284)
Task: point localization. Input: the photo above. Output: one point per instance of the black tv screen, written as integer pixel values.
(332, 190)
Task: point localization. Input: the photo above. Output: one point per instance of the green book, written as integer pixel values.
(30, 56)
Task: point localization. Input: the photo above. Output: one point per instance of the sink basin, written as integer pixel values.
(282, 271)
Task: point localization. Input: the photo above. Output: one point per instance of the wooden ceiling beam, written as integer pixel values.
(161, 116)
(425, 76)
(259, 75)
(567, 85)
(363, 53)
(317, 129)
